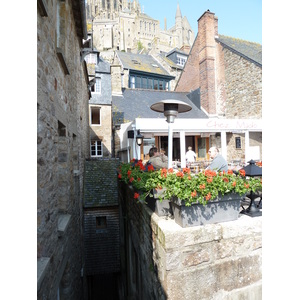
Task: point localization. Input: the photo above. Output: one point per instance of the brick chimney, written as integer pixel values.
(207, 30)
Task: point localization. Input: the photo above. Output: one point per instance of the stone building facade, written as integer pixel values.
(228, 72)
(100, 118)
(62, 147)
(122, 25)
(101, 227)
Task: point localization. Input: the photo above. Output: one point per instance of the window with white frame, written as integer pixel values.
(96, 148)
(96, 88)
(181, 60)
(95, 115)
(91, 58)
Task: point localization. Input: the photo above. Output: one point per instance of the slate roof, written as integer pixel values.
(135, 103)
(102, 66)
(142, 63)
(170, 62)
(249, 50)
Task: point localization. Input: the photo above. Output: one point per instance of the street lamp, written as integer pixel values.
(252, 170)
(139, 138)
(170, 108)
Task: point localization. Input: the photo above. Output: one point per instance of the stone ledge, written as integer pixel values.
(62, 224)
(42, 266)
(173, 236)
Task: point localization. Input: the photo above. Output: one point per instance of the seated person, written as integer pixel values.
(157, 159)
(218, 162)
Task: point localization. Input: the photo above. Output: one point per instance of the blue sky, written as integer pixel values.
(237, 18)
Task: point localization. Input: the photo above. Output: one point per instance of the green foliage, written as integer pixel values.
(140, 45)
(190, 188)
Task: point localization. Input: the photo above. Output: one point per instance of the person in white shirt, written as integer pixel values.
(190, 156)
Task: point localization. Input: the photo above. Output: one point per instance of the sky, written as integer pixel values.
(236, 18)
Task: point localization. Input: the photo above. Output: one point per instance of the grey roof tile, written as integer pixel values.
(135, 103)
(249, 50)
(142, 63)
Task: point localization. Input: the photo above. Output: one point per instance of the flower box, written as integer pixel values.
(222, 209)
(160, 207)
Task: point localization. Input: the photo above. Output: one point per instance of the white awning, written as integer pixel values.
(157, 125)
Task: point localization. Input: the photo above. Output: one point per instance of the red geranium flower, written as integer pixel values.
(179, 174)
(150, 168)
(202, 186)
(186, 170)
(194, 194)
(234, 183)
(230, 172)
(208, 196)
(209, 179)
(136, 195)
(242, 172)
(131, 179)
(225, 179)
(119, 176)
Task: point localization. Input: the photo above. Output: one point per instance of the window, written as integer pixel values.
(132, 82)
(145, 82)
(61, 129)
(138, 82)
(91, 58)
(101, 222)
(238, 144)
(95, 115)
(96, 88)
(96, 148)
(181, 60)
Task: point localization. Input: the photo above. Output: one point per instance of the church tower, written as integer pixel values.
(178, 25)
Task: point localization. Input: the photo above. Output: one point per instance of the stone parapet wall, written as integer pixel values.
(215, 261)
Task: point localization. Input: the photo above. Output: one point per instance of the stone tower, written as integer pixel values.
(122, 25)
(178, 24)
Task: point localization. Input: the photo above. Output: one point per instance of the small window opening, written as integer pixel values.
(238, 143)
(101, 222)
(61, 129)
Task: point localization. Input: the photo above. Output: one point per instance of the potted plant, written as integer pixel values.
(208, 197)
(148, 185)
(196, 199)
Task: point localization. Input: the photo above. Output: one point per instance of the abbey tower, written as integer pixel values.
(123, 25)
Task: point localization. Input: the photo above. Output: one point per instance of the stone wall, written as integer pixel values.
(215, 261)
(62, 147)
(103, 131)
(243, 81)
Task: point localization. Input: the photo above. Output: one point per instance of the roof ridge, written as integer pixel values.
(238, 39)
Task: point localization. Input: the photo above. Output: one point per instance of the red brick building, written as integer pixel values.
(228, 72)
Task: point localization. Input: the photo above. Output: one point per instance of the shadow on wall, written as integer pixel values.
(141, 279)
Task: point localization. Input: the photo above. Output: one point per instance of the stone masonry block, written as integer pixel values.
(225, 275)
(177, 237)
